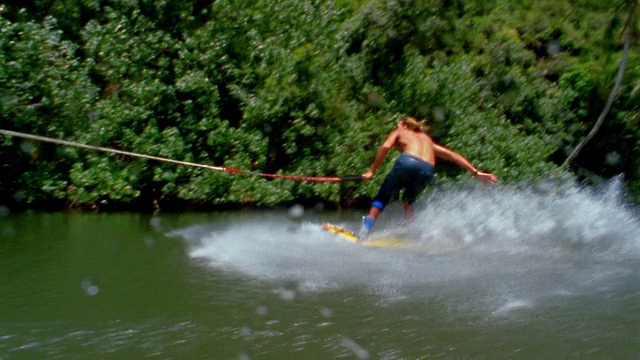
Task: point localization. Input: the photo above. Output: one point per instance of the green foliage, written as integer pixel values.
(102, 181)
(45, 90)
(41, 77)
(302, 88)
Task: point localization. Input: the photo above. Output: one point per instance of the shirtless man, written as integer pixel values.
(412, 170)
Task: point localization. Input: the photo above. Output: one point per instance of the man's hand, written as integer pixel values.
(485, 178)
(367, 176)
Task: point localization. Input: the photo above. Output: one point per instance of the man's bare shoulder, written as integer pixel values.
(393, 137)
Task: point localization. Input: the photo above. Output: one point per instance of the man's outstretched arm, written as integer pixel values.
(450, 155)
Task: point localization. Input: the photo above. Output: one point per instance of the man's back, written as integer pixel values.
(415, 143)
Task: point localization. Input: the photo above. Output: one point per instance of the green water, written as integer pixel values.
(261, 285)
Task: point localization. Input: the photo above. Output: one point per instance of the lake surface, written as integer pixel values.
(490, 272)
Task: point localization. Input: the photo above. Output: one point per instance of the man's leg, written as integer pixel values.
(414, 188)
(374, 212)
(369, 220)
(409, 211)
(387, 191)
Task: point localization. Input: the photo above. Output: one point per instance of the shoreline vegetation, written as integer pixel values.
(305, 88)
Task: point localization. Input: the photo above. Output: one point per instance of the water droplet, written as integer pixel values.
(27, 147)
(438, 114)
(149, 241)
(9, 100)
(261, 311)
(245, 331)
(243, 356)
(612, 158)
(296, 211)
(326, 312)
(288, 295)
(90, 288)
(358, 351)
(156, 224)
(8, 232)
(554, 48)
(19, 196)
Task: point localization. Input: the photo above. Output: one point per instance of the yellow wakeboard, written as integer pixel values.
(350, 236)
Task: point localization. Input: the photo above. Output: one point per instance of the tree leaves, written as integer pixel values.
(302, 88)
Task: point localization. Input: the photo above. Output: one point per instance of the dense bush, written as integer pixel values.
(301, 88)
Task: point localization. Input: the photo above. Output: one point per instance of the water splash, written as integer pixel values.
(490, 246)
(536, 219)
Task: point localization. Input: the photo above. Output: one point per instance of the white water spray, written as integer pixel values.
(496, 245)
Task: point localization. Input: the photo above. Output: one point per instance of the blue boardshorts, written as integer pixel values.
(410, 174)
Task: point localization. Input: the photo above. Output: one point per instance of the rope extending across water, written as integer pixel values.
(184, 163)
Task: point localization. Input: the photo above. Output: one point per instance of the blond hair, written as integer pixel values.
(416, 125)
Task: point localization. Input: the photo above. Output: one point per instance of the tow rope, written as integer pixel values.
(186, 163)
